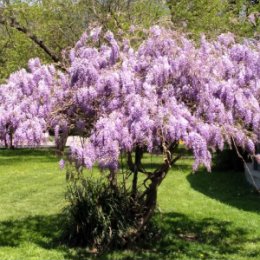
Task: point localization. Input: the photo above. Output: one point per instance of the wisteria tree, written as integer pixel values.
(166, 91)
(122, 100)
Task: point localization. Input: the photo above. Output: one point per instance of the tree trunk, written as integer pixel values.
(61, 142)
(11, 141)
(156, 178)
(151, 192)
(149, 196)
(5, 141)
(138, 158)
(150, 201)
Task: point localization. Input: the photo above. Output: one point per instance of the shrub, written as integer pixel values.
(98, 216)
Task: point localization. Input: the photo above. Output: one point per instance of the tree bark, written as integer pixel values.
(150, 201)
(138, 158)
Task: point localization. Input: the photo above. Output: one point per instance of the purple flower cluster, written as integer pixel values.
(117, 97)
(166, 91)
(25, 105)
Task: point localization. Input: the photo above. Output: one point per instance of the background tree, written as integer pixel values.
(215, 17)
(57, 24)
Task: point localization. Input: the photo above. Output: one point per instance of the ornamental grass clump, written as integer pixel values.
(97, 216)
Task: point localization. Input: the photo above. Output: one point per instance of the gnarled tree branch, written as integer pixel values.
(12, 22)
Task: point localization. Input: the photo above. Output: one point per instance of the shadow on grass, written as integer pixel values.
(229, 187)
(41, 230)
(180, 237)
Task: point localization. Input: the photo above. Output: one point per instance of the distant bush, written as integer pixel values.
(228, 159)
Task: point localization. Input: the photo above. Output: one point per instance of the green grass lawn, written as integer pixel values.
(202, 216)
